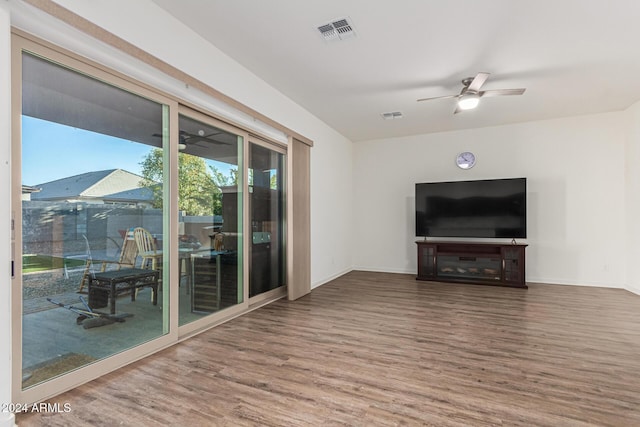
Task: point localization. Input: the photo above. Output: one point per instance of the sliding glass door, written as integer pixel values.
(130, 221)
(210, 217)
(267, 218)
(83, 193)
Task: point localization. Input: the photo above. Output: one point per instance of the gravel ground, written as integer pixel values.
(37, 287)
(44, 284)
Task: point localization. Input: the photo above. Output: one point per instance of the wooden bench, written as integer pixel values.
(120, 281)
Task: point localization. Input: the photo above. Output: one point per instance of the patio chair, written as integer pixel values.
(88, 266)
(129, 252)
(147, 250)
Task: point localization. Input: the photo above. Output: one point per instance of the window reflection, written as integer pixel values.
(83, 194)
(266, 197)
(210, 206)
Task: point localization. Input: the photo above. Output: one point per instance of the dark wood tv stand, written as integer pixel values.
(498, 264)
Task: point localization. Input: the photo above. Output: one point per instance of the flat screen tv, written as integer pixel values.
(492, 208)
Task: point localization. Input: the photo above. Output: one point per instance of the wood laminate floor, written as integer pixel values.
(377, 349)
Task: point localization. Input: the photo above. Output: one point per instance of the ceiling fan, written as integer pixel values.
(186, 138)
(470, 95)
(191, 138)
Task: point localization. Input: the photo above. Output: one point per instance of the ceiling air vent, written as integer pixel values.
(392, 115)
(339, 29)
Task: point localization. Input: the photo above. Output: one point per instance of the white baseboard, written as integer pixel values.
(385, 270)
(565, 283)
(330, 278)
(633, 289)
(348, 270)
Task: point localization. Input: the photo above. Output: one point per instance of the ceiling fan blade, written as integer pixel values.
(438, 97)
(478, 81)
(501, 92)
(196, 139)
(191, 138)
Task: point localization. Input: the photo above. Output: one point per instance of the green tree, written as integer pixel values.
(222, 180)
(152, 175)
(197, 191)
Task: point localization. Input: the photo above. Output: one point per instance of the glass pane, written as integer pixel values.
(86, 294)
(210, 219)
(266, 196)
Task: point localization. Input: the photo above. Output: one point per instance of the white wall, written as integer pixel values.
(331, 210)
(632, 193)
(6, 418)
(147, 26)
(576, 199)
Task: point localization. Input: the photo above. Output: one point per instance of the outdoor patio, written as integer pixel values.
(52, 336)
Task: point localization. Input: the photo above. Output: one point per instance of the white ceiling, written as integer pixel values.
(573, 56)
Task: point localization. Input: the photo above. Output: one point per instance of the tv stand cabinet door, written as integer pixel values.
(513, 271)
(427, 267)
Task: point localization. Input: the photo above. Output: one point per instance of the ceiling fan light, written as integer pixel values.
(468, 101)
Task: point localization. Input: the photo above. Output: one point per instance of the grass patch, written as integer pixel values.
(33, 263)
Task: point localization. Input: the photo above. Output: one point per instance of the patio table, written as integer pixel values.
(120, 281)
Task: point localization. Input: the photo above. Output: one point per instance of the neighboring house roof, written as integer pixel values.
(138, 195)
(91, 185)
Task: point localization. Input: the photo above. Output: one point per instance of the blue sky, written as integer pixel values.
(52, 151)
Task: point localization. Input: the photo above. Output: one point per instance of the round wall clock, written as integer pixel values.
(465, 160)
